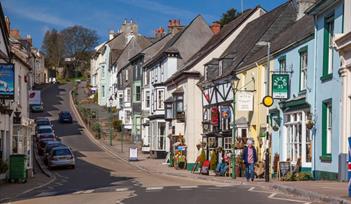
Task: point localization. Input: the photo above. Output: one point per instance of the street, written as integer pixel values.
(101, 178)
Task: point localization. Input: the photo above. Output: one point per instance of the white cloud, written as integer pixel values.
(36, 14)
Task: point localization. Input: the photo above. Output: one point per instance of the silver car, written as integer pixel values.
(61, 157)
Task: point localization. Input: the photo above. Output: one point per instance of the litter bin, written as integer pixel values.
(18, 171)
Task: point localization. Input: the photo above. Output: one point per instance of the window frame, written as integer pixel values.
(282, 60)
(328, 52)
(303, 70)
(327, 132)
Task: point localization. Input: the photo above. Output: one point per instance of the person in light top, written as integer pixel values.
(250, 158)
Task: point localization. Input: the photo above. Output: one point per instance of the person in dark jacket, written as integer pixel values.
(250, 158)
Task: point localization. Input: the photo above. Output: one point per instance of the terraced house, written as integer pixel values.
(185, 42)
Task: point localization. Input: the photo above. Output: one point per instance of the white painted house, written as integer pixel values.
(178, 50)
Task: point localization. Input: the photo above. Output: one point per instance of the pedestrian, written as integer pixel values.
(250, 158)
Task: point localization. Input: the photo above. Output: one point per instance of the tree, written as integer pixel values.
(53, 48)
(79, 43)
(228, 16)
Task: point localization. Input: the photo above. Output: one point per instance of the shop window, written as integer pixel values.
(211, 143)
(227, 143)
(225, 118)
(128, 117)
(297, 136)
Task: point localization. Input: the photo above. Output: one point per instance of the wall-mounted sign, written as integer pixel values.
(7, 81)
(244, 101)
(214, 116)
(280, 86)
(225, 112)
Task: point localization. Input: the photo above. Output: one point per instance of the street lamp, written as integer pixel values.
(110, 111)
(268, 44)
(235, 83)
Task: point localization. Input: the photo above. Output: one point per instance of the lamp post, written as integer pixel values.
(110, 111)
(268, 44)
(235, 83)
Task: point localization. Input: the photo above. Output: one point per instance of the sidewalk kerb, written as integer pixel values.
(40, 163)
(94, 140)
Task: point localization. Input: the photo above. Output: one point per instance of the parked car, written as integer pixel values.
(42, 143)
(37, 108)
(65, 117)
(44, 131)
(49, 145)
(42, 121)
(61, 157)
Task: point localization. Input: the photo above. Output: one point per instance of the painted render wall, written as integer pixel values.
(292, 57)
(326, 90)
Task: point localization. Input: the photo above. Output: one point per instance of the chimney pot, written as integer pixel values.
(215, 27)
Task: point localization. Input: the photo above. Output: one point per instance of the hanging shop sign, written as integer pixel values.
(7, 81)
(225, 112)
(280, 86)
(214, 116)
(244, 101)
(267, 101)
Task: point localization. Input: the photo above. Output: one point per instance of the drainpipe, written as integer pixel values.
(315, 98)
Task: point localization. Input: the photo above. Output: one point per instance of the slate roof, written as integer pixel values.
(135, 45)
(186, 42)
(265, 28)
(215, 41)
(150, 51)
(299, 31)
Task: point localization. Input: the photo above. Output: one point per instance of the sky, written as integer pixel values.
(35, 17)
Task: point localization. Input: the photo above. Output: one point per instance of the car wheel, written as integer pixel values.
(73, 167)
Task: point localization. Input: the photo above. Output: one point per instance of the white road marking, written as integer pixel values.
(252, 189)
(272, 196)
(77, 192)
(121, 189)
(154, 188)
(188, 187)
(88, 191)
(45, 194)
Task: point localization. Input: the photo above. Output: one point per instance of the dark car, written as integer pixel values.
(65, 117)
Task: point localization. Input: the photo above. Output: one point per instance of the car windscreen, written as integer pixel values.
(43, 122)
(61, 152)
(45, 130)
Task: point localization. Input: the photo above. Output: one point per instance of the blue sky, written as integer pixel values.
(34, 17)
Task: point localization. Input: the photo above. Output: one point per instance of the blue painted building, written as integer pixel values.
(330, 145)
(293, 54)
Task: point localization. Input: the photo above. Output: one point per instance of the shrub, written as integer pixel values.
(289, 177)
(3, 167)
(97, 128)
(303, 176)
(117, 125)
(213, 161)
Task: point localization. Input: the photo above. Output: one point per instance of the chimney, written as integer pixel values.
(159, 33)
(8, 24)
(111, 34)
(174, 26)
(215, 27)
(29, 40)
(15, 34)
(302, 6)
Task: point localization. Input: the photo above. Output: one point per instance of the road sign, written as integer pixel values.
(280, 86)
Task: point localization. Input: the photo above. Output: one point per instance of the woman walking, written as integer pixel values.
(250, 158)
